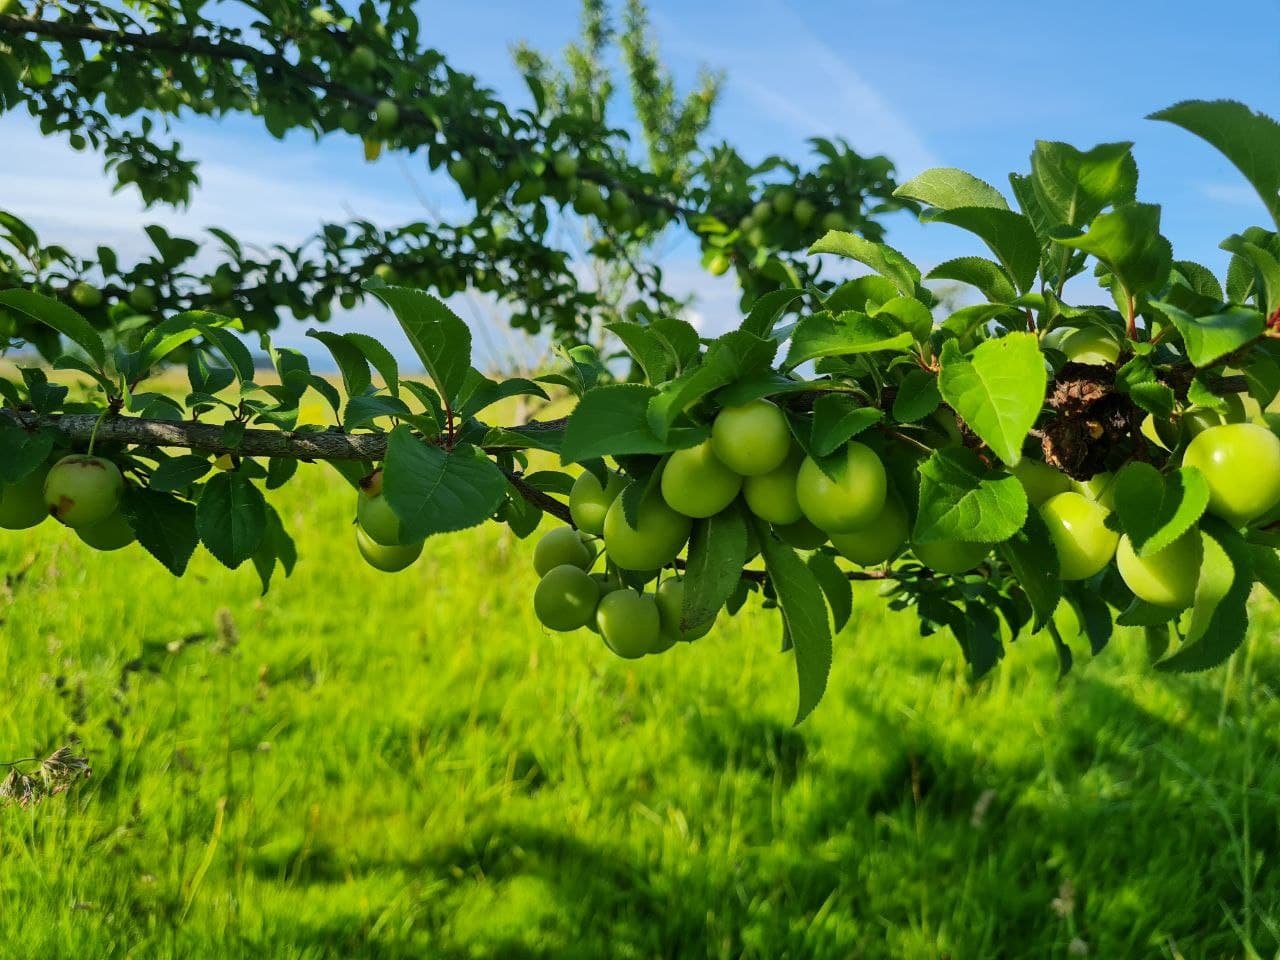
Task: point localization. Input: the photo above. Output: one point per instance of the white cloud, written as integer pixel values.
(1235, 194)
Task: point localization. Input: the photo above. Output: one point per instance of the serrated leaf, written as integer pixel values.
(766, 310)
(1074, 186)
(646, 348)
(947, 187)
(1034, 562)
(825, 335)
(178, 473)
(1249, 140)
(1155, 510)
(438, 336)
(917, 397)
(433, 490)
(1222, 619)
(835, 585)
(988, 276)
(379, 357)
(1209, 339)
(350, 359)
(22, 452)
(997, 390)
(231, 517)
(164, 525)
(804, 611)
(836, 420)
(717, 553)
(613, 420)
(363, 410)
(909, 313)
(735, 356)
(960, 500)
(880, 257)
(1093, 614)
(1128, 241)
(1010, 236)
(1155, 398)
(58, 316)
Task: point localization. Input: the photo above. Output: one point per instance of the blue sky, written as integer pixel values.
(967, 84)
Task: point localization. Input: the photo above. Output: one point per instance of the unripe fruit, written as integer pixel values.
(1091, 345)
(1077, 527)
(320, 16)
(1166, 578)
(802, 534)
(834, 220)
(362, 59)
(803, 212)
(386, 115)
(565, 165)
(1199, 419)
(142, 299)
(388, 559)
(22, 504)
(751, 439)
(1241, 462)
(772, 496)
(949, 557)
(655, 540)
(110, 534)
(784, 201)
(762, 211)
(589, 502)
(221, 286)
(697, 484)
(86, 295)
(385, 272)
(670, 599)
(630, 623)
(1040, 480)
(1101, 488)
(879, 541)
(853, 499)
(559, 547)
(566, 598)
(718, 265)
(376, 518)
(82, 490)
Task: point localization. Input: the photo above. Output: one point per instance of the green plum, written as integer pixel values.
(852, 499)
(1168, 577)
(82, 490)
(113, 533)
(656, 539)
(802, 534)
(950, 557)
(630, 623)
(388, 559)
(697, 484)
(1241, 462)
(772, 496)
(1091, 345)
(589, 501)
(22, 504)
(1077, 527)
(1040, 480)
(566, 598)
(386, 115)
(142, 299)
(880, 540)
(1101, 487)
(86, 295)
(376, 518)
(751, 439)
(559, 547)
(670, 600)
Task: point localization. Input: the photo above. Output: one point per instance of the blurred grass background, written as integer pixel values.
(363, 765)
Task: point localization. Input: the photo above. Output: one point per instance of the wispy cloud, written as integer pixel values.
(1235, 194)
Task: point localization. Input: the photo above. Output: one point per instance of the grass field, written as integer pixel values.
(368, 766)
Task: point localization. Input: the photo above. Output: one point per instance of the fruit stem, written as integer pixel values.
(93, 437)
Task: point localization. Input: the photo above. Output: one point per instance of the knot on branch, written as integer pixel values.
(1093, 424)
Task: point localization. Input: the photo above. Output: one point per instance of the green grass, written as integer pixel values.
(410, 767)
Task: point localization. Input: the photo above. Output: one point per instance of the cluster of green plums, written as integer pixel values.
(1240, 463)
(82, 492)
(378, 535)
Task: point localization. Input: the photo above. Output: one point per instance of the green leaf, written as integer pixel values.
(988, 276)
(168, 335)
(861, 294)
(910, 314)
(22, 452)
(232, 349)
(439, 337)
(1154, 397)
(1264, 263)
(646, 348)
(1249, 140)
(735, 356)
(178, 473)
(1209, 339)
(917, 396)
(1266, 567)
(1155, 510)
(1093, 614)
(997, 390)
(1009, 236)
(350, 359)
(837, 419)
(1034, 561)
(960, 500)
(824, 335)
(1128, 241)
(363, 410)
(379, 357)
(947, 187)
(482, 392)
(835, 585)
(766, 310)
(58, 316)
(276, 546)
(880, 257)
(433, 490)
(1220, 617)
(231, 517)
(1074, 186)
(613, 420)
(804, 611)
(717, 553)
(164, 525)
